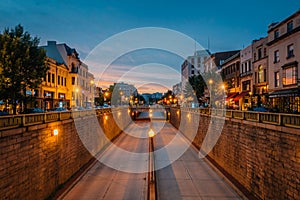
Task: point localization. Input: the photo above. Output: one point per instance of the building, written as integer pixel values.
(214, 61)
(246, 79)
(231, 77)
(193, 65)
(260, 69)
(54, 92)
(123, 94)
(284, 56)
(177, 89)
(79, 81)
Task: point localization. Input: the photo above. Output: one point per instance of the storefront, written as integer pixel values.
(243, 101)
(48, 100)
(285, 100)
(230, 104)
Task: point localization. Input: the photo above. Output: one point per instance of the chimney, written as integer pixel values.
(51, 43)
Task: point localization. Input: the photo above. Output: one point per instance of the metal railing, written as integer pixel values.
(15, 121)
(280, 119)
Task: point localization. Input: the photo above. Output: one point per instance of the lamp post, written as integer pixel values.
(76, 96)
(210, 82)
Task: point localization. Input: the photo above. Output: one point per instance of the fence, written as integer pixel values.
(15, 121)
(280, 119)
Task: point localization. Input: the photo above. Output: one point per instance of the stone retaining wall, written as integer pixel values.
(34, 162)
(264, 159)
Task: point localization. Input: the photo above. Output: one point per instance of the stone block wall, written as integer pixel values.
(34, 163)
(262, 159)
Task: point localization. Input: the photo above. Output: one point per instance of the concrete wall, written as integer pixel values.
(264, 160)
(34, 163)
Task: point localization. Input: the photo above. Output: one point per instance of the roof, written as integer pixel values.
(276, 24)
(59, 52)
(237, 55)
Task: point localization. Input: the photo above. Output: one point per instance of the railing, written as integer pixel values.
(15, 121)
(280, 119)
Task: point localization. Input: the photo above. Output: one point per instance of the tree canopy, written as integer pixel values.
(22, 65)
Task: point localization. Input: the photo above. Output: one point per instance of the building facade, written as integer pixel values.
(231, 77)
(246, 79)
(193, 66)
(284, 57)
(260, 69)
(79, 81)
(54, 90)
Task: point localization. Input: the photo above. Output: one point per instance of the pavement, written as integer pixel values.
(187, 176)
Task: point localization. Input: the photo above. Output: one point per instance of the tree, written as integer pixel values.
(22, 63)
(195, 88)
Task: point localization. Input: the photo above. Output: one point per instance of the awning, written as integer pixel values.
(241, 95)
(231, 95)
(285, 93)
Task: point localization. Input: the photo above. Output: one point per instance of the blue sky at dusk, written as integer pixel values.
(229, 25)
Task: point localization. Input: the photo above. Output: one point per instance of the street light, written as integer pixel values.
(210, 82)
(76, 96)
(250, 93)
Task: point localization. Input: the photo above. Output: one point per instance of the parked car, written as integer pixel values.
(3, 113)
(33, 110)
(260, 109)
(59, 110)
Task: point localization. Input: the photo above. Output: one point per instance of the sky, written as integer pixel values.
(227, 25)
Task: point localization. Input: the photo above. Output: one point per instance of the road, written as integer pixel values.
(188, 177)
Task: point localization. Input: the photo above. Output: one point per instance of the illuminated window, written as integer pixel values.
(276, 76)
(260, 74)
(289, 76)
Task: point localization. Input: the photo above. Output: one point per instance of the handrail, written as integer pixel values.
(23, 120)
(280, 119)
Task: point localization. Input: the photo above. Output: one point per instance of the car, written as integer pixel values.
(33, 110)
(260, 109)
(60, 110)
(3, 113)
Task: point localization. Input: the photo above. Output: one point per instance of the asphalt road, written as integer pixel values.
(180, 175)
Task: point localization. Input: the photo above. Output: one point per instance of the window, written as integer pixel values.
(276, 77)
(65, 81)
(259, 54)
(242, 68)
(254, 56)
(249, 64)
(73, 80)
(265, 75)
(53, 78)
(260, 74)
(49, 77)
(255, 77)
(276, 34)
(276, 56)
(290, 51)
(246, 85)
(265, 52)
(62, 81)
(58, 80)
(193, 72)
(289, 76)
(289, 26)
